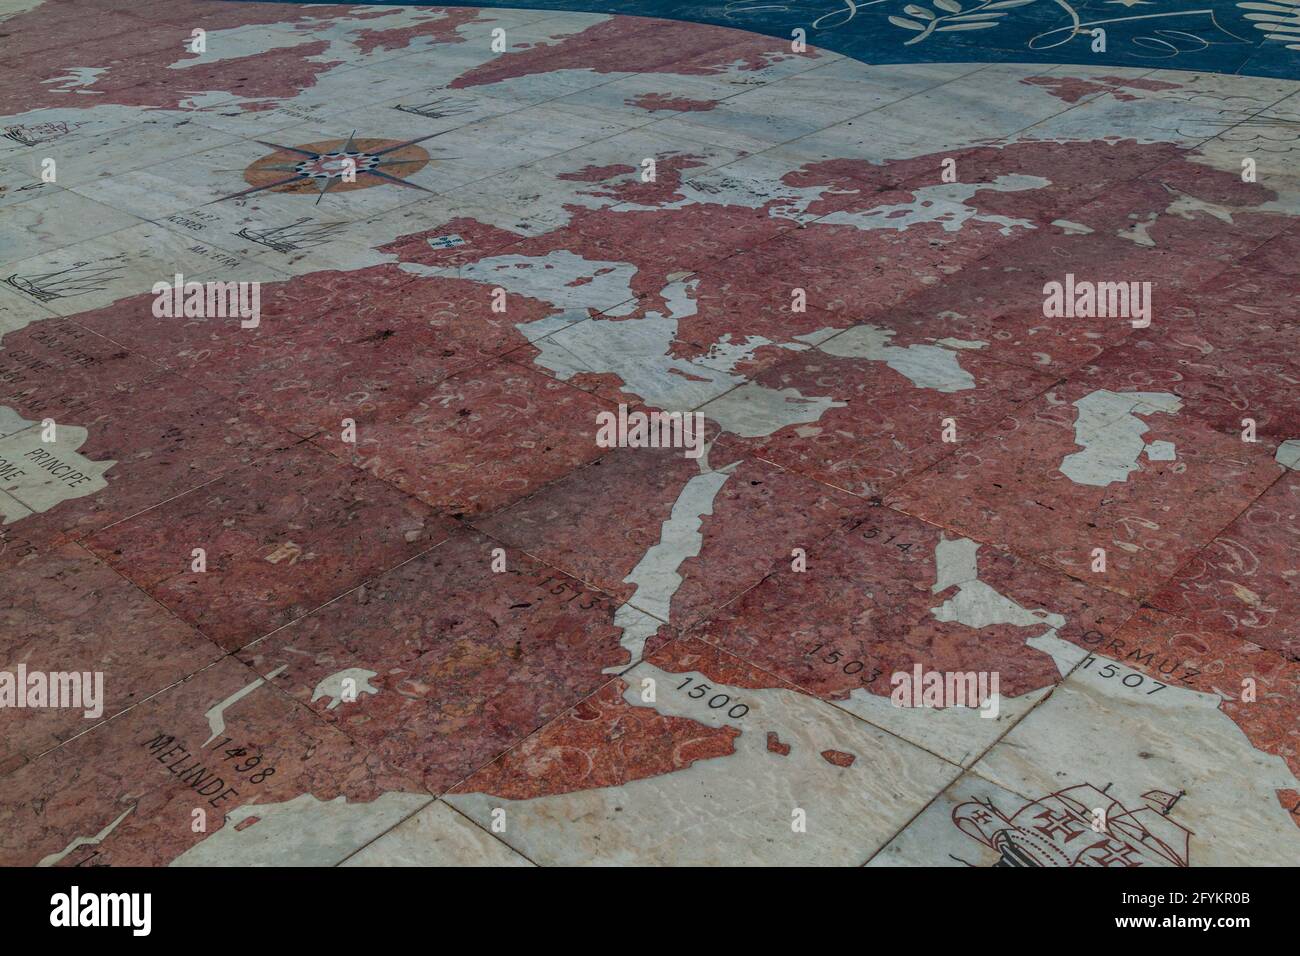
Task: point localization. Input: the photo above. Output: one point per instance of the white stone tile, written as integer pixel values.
(436, 836)
(738, 809)
(1110, 726)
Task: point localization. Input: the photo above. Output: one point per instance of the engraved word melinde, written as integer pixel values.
(1098, 300)
(208, 300)
(651, 430)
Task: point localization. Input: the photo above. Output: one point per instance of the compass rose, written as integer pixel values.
(321, 167)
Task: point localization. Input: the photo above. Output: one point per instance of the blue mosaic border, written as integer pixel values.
(1250, 37)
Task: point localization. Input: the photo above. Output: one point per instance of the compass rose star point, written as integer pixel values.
(336, 166)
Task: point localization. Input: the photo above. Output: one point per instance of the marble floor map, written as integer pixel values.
(738, 434)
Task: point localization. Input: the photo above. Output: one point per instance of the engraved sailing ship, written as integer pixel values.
(293, 237)
(1080, 826)
(30, 134)
(439, 108)
(65, 283)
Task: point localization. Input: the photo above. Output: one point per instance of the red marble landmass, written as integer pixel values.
(862, 590)
(216, 14)
(49, 26)
(598, 523)
(373, 359)
(167, 437)
(1071, 89)
(137, 61)
(1226, 365)
(1007, 489)
(1078, 173)
(1139, 210)
(855, 274)
(1254, 293)
(1209, 184)
(66, 611)
(854, 176)
(621, 183)
(1075, 173)
(57, 369)
(598, 174)
(888, 428)
(629, 45)
(676, 104)
(1279, 257)
(868, 601)
(469, 661)
(602, 742)
(282, 537)
(999, 300)
(480, 440)
(481, 240)
(775, 746)
(868, 273)
(1225, 331)
(324, 298)
(441, 31)
(136, 69)
(839, 758)
(81, 788)
(1247, 580)
(607, 742)
(734, 311)
(661, 242)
